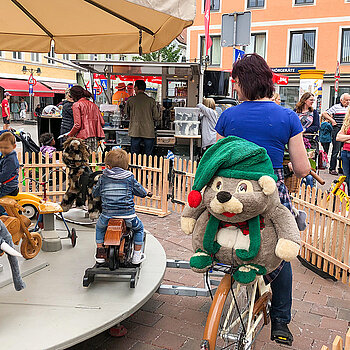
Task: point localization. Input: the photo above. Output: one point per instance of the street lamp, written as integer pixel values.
(31, 71)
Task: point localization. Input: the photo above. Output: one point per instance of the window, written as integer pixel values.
(345, 46)
(256, 4)
(17, 55)
(304, 2)
(65, 56)
(214, 51)
(214, 5)
(108, 56)
(302, 47)
(35, 57)
(51, 54)
(94, 57)
(341, 90)
(289, 96)
(257, 44)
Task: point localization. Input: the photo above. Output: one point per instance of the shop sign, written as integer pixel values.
(290, 70)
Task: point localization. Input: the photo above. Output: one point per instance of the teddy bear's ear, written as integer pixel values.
(267, 184)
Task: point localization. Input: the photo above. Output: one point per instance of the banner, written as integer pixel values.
(208, 41)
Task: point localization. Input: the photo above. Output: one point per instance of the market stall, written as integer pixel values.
(178, 86)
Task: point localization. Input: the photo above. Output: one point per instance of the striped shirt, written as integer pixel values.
(338, 112)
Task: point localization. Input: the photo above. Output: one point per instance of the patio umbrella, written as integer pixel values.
(92, 26)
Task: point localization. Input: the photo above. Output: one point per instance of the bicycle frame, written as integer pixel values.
(255, 313)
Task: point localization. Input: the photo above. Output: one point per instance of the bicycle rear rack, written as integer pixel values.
(190, 291)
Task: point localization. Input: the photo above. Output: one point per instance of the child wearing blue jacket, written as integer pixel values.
(117, 188)
(9, 165)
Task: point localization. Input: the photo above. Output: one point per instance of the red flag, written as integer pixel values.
(208, 41)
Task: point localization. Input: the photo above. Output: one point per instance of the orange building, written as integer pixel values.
(290, 34)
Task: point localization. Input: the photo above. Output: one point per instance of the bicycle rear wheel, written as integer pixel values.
(226, 326)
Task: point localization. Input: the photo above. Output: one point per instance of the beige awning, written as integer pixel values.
(92, 26)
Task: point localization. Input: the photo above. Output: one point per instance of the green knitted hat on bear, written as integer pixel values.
(231, 157)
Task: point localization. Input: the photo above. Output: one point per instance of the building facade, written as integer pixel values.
(52, 78)
(290, 34)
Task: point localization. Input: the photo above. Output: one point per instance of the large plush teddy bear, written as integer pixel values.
(239, 220)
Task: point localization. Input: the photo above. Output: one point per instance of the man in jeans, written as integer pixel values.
(142, 111)
(335, 115)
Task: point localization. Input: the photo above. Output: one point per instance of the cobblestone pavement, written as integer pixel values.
(321, 308)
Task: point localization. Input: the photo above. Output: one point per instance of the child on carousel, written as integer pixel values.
(117, 188)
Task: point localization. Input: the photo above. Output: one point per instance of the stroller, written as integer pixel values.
(28, 145)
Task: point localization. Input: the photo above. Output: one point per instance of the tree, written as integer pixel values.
(167, 54)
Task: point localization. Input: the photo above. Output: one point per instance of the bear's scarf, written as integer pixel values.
(212, 247)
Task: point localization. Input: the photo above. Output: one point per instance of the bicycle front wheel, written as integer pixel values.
(228, 319)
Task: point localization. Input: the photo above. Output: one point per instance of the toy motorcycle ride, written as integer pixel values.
(119, 249)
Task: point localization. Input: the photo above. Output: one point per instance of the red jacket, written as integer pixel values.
(88, 121)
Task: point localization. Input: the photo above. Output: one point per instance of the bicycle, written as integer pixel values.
(237, 314)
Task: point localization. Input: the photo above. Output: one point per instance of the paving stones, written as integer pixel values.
(321, 308)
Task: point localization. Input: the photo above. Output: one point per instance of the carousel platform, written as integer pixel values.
(55, 311)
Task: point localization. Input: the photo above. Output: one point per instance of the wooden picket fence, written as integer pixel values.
(338, 343)
(183, 173)
(326, 240)
(151, 172)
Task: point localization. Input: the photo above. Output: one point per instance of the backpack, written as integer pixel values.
(322, 160)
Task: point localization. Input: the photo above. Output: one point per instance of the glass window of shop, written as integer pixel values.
(345, 46)
(65, 56)
(342, 90)
(255, 4)
(257, 44)
(214, 5)
(302, 47)
(289, 96)
(214, 51)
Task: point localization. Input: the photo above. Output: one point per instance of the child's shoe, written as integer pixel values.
(101, 255)
(138, 257)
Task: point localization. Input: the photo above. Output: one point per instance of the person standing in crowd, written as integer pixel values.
(142, 111)
(38, 110)
(208, 118)
(130, 89)
(88, 121)
(335, 115)
(6, 110)
(120, 95)
(14, 108)
(310, 121)
(344, 136)
(67, 116)
(271, 126)
(276, 98)
(23, 108)
(325, 135)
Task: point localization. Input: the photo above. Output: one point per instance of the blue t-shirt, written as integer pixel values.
(263, 122)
